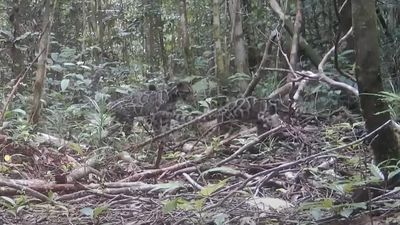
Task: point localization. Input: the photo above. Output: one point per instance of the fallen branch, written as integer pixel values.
(155, 172)
(10, 183)
(322, 76)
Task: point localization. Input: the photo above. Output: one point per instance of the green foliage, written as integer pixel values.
(98, 120)
(211, 188)
(17, 127)
(14, 206)
(319, 208)
(193, 205)
(393, 101)
(270, 84)
(168, 187)
(95, 213)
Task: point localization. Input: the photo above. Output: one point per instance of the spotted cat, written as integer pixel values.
(261, 112)
(147, 103)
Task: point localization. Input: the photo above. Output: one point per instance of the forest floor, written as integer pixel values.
(301, 173)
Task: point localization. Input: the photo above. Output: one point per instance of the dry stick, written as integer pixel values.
(257, 75)
(9, 183)
(20, 76)
(292, 77)
(170, 131)
(246, 146)
(326, 79)
(288, 165)
(311, 53)
(192, 182)
(155, 172)
(322, 63)
(321, 74)
(337, 40)
(295, 43)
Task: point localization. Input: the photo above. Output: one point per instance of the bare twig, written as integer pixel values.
(323, 77)
(192, 182)
(257, 76)
(337, 39)
(155, 172)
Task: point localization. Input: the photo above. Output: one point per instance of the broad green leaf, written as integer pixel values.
(346, 212)
(23, 36)
(327, 203)
(174, 204)
(393, 173)
(347, 188)
(85, 67)
(204, 85)
(268, 204)
(69, 64)
(76, 147)
(19, 111)
(19, 208)
(170, 206)
(79, 76)
(239, 77)
(184, 204)
(220, 218)
(222, 169)
(211, 188)
(9, 200)
(7, 34)
(376, 171)
(316, 213)
(87, 211)
(171, 186)
(99, 210)
(57, 67)
(54, 56)
(64, 84)
(50, 194)
(199, 204)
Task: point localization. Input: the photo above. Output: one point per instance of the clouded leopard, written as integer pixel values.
(150, 102)
(261, 112)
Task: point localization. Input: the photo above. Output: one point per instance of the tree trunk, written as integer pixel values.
(101, 29)
(43, 48)
(220, 67)
(385, 145)
(185, 40)
(15, 54)
(153, 36)
(238, 40)
(294, 50)
(345, 21)
(308, 50)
